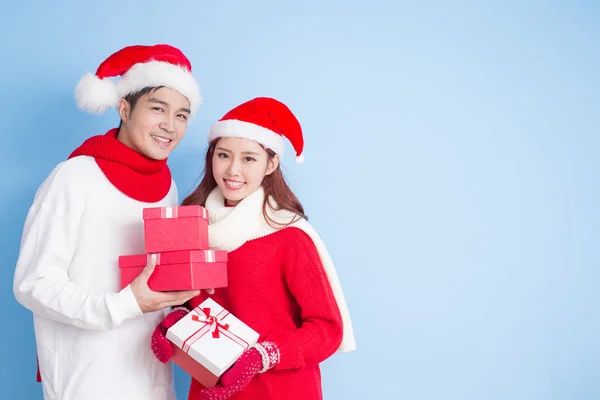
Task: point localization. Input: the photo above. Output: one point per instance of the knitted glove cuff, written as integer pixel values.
(269, 353)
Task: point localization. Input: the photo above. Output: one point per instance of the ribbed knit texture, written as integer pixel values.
(134, 174)
(231, 227)
(277, 285)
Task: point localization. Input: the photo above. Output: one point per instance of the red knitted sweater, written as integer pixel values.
(277, 285)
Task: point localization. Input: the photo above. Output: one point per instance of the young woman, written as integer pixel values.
(281, 280)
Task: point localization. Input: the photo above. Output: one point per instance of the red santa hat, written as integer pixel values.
(139, 67)
(264, 120)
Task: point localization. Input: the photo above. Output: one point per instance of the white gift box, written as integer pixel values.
(208, 341)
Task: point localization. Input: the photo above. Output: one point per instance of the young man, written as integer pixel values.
(92, 338)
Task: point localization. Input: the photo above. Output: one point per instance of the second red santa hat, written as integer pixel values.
(264, 120)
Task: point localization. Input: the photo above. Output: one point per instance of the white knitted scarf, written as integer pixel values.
(231, 227)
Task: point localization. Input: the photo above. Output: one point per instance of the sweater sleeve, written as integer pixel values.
(41, 281)
(320, 330)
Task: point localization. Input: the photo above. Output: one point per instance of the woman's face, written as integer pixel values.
(239, 167)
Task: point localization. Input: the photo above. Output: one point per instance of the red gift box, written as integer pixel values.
(175, 228)
(178, 270)
(194, 368)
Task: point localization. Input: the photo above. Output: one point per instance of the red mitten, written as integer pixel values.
(161, 346)
(260, 358)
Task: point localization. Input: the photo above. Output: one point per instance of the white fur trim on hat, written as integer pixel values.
(247, 130)
(96, 95)
(157, 73)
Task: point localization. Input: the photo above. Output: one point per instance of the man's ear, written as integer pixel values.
(272, 164)
(124, 109)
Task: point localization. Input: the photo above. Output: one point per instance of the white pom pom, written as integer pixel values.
(95, 95)
(300, 159)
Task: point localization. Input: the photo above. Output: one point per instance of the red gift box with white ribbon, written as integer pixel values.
(178, 270)
(175, 228)
(208, 340)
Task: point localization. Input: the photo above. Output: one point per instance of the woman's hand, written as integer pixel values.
(258, 359)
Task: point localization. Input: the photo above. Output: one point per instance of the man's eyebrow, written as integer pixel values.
(155, 100)
(164, 103)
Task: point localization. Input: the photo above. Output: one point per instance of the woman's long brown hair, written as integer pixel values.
(274, 185)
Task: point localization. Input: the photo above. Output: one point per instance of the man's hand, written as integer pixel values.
(149, 300)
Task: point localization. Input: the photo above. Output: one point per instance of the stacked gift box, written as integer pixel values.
(209, 339)
(177, 239)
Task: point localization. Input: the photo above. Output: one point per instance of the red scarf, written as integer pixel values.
(134, 174)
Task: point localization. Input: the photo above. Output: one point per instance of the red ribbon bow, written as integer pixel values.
(211, 320)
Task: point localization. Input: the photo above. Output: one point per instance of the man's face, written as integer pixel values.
(156, 124)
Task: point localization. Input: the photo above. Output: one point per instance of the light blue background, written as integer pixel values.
(451, 168)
